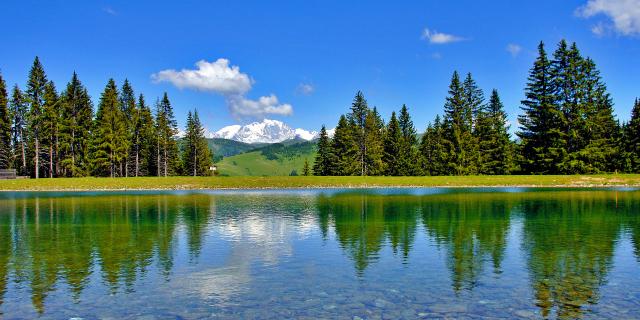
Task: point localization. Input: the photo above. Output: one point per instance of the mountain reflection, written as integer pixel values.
(566, 241)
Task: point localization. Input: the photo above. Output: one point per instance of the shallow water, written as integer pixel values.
(371, 254)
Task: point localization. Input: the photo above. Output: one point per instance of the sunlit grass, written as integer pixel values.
(183, 183)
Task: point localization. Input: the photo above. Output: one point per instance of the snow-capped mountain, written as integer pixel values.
(265, 131)
(227, 132)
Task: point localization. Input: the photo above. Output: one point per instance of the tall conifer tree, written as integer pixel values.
(541, 135)
(374, 140)
(129, 109)
(324, 161)
(345, 150)
(434, 150)
(393, 144)
(601, 131)
(144, 141)
(166, 129)
(35, 97)
(357, 118)
(407, 164)
(196, 156)
(566, 74)
(50, 127)
(632, 139)
(76, 124)
(458, 121)
(495, 146)
(109, 136)
(19, 114)
(5, 127)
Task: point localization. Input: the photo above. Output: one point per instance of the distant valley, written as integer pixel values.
(235, 158)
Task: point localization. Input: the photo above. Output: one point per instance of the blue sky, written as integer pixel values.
(308, 58)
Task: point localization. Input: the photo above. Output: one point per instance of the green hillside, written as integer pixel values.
(223, 148)
(278, 159)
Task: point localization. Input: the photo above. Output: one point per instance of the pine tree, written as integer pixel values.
(496, 150)
(50, 127)
(474, 105)
(129, 109)
(374, 141)
(474, 98)
(19, 130)
(325, 160)
(434, 150)
(34, 96)
(345, 150)
(541, 132)
(566, 76)
(601, 132)
(5, 127)
(306, 171)
(357, 118)
(458, 122)
(109, 135)
(144, 141)
(393, 142)
(632, 139)
(166, 129)
(76, 123)
(196, 156)
(588, 131)
(407, 164)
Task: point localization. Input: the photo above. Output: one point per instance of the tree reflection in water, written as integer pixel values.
(567, 238)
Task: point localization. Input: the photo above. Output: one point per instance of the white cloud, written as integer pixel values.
(240, 106)
(110, 11)
(216, 77)
(514, 49)
(305, 89)
(222, 78)
(436, 37)
(600, 29)
(625, 15)
(436, 55)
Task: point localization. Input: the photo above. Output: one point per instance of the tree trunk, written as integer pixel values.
(24, 154)
(195, 162)
(111, 164)
(51, 161)
(137, 161)
(158, 158)
(57, 153)
(73, 154)
(37, 158)
(165, 160)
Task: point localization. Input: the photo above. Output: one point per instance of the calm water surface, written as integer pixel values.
(425, 253)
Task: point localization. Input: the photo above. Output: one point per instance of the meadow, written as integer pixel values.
(284, 182)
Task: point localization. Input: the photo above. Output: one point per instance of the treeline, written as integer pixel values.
(567, 126)
(46, 133)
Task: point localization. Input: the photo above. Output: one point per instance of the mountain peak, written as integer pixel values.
(265, 131)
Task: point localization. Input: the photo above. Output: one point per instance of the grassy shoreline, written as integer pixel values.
(222, 183)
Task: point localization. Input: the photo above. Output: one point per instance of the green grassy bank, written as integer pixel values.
(186, 183)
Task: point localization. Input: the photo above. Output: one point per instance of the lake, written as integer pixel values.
(352, 254)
